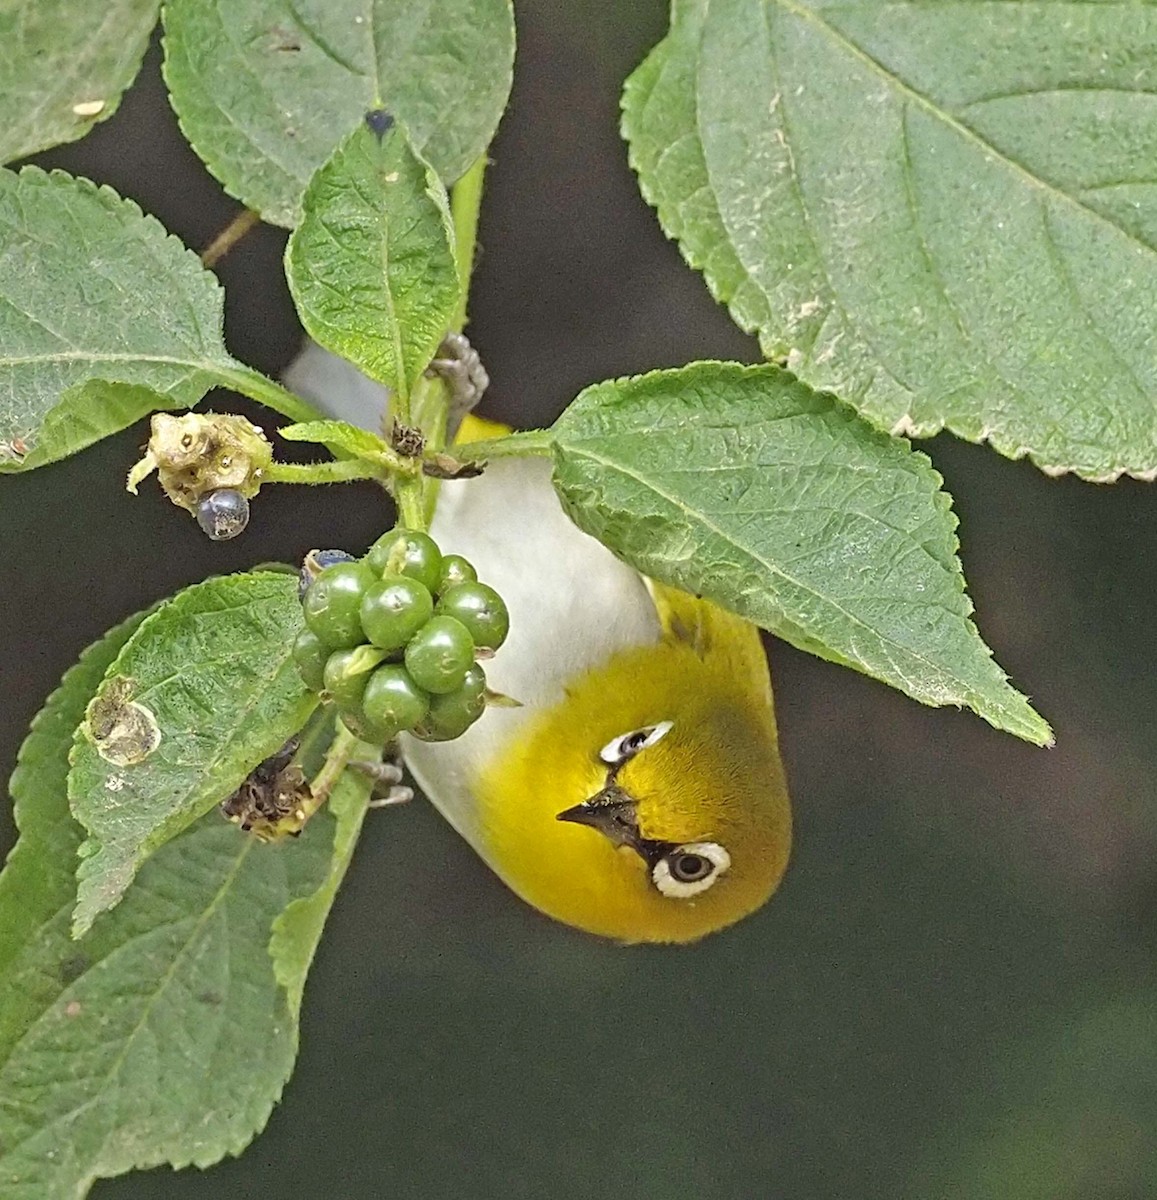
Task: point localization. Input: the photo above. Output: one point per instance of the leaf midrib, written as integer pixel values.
(213, 366)
(162, 986)
(774, 569)
(801, 11)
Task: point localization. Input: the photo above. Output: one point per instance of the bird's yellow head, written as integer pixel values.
(650, 804)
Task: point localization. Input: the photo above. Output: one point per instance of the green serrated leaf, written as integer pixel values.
(63, 67)
(177, 1036)
(264, 90)
(339, 437)
(743, 485)
(203, 691)
(667, 155)
(298, 930)
(40, 874)
(940, 212)
(104, 318)
(371, 266)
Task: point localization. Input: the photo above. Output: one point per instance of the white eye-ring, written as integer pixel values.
(690, 869)
(627, 745)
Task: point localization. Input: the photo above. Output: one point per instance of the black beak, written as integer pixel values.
(611, 812)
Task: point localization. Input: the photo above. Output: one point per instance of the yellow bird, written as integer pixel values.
(638, 791)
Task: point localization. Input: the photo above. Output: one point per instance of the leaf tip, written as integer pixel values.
(1026, 723)
(83, 916)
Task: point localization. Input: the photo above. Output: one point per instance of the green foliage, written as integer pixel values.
(338, 437)
(203, 691)
(41, 868)
(64, 65)
(105, 317)
(264, 94)
(940, 213)
(744, 485)
(372, 266)
(939, 216)
(298, 929)
(176, 1033)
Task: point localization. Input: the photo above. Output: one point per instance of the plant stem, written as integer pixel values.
(526, 444)
(341, 470)
(426, 405)
(241, 224)
(465, 202)
(411, 503)
(336, 760)
(265, 391)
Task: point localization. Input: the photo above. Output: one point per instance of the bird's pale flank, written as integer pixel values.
(637, 792)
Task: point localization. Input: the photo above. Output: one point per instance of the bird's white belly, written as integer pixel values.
(572, 603)
(572, 606)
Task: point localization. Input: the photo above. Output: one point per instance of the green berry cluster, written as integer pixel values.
(392, 639)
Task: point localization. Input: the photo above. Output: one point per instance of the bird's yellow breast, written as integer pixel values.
(715, 777)
(595, 652)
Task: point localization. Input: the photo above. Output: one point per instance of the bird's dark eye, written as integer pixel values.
(690, 869)
(627, 745)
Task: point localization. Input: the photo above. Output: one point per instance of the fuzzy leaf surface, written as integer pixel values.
(339, 437)
(297, 931)
(371, 266)
(176, 1035)
(944, 213)
(56, 57)
(104, 317)
(41, 867)
(265, 88)
(744, 485)
(203, 691)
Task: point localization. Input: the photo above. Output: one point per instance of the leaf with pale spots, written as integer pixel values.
(177, 1034)
(266, 88)
(204, 690)
(943, 213)
(64, 66)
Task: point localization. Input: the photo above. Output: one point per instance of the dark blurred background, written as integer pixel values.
(953, 994)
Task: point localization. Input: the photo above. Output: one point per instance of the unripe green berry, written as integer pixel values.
(310, 653)
(392, 701)
(346, 674)
(455, 570)
(355, 721)
(453, 713)
(439, 655)
(393, 610)
(407, 552)
(481, 609)
(332, 604)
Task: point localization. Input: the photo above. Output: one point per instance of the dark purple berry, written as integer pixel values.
(314, 563)
(223, 514)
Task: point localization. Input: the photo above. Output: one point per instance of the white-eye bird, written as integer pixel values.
(638, 791)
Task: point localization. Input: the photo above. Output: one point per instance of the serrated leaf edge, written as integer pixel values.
(942, 499)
